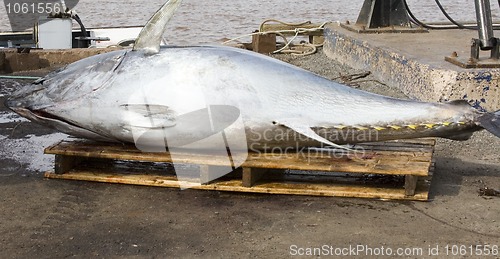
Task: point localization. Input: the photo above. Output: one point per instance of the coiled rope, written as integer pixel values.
(288, 46)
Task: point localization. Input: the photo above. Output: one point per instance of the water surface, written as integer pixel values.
(213, 20)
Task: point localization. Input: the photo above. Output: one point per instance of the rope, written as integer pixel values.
(288, 47)
(261, 27)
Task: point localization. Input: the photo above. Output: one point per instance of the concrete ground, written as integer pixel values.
(415, 63)
(55, 218)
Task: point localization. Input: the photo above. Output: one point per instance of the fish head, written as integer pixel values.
(49, 100)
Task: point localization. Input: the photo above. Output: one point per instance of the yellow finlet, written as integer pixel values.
(446, 123)
(340, 127)
(429, 125)
(378, 128)
(360, 128)
(413, 127)
(394, 127)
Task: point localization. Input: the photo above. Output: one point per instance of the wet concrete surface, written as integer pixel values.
(56, 218)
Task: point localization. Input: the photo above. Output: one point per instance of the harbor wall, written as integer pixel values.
(11, 61)
(415, 64)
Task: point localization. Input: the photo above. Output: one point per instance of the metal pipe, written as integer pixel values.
(20, 77)
(483, 15)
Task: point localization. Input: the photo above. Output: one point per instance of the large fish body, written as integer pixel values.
(112, 95)
(159, 94)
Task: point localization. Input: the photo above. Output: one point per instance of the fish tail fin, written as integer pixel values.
(491, 122)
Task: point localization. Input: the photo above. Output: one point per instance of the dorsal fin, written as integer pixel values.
(150, 37)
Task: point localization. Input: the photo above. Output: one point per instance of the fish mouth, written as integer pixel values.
(40, 116)
(58, 123)
(37, 115)
(48, 116)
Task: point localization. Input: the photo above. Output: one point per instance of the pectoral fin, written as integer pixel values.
(306, 130)
(150, 116)
(156, 122)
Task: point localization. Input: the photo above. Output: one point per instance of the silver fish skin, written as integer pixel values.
(100, 97)
(185, 94)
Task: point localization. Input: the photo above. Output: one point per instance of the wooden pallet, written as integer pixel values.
(388, 170)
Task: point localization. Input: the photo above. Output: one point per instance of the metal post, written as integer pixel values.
(483, 14)
(383, 16)
(383, 13)
(486, 41)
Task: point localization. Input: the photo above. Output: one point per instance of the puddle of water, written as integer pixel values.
(10, 117)
(8, 86)
(28, 151)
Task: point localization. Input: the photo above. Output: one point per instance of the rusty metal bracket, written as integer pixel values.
(475, 49)
(474, 60)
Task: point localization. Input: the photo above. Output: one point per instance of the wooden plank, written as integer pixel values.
(375, 164)
(291, 28)
(410, 184)
(421, 141)
(378, 162)
(210, 173)
(265, 43)
(117, 163)
(82, 146)
(235, 185)
(64, 163)
(317, 40)
(252, 175)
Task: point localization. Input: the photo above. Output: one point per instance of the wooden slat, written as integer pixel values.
(252, 175)
(209, 173)
(342, 174)
(296, 188)
(283, 27)
(415, 141)
(64, 163)
(264, 43)
(377, 162)
(410, 184)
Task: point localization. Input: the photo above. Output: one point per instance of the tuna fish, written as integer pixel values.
(184, 94)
